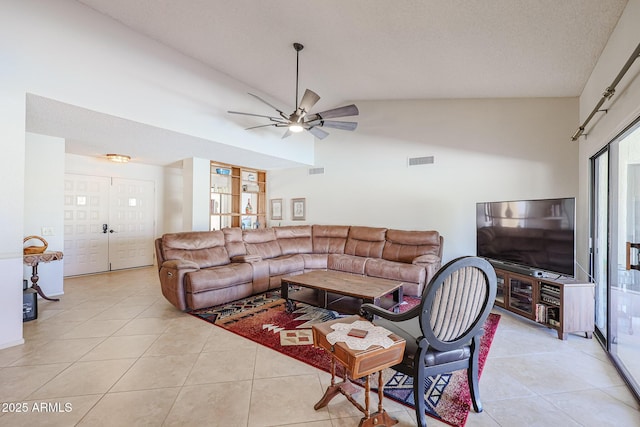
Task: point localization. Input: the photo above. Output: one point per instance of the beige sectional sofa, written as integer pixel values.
(203, 269)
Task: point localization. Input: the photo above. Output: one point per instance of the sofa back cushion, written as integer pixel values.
(294, 239)
(233, 241)
(329, 239)
(205, 248)
(261, 242)
(404, 246)
(365, 242)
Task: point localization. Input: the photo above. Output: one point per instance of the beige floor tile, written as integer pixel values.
(220, 339)
(95, 328)
(84, 378)
(13, 354)
(131, 408)
(497, 384)
(530, 412)
(17, 383)
(122, 347)
(121, 311)
(76, 315)
(58, 351)
(63, 412)
(222, 404)
(157, 372)
(296, 396)
(162, 309)
(178, 344)
(595, 408)
(623, 394)
(47, 330)
(223, 366)
(144, 326)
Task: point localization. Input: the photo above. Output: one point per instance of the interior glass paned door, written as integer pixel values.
(600, 171)
(624, 268)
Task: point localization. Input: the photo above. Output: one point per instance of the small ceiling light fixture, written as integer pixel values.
(118, 158)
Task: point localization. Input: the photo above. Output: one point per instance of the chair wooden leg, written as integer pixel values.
(418, 387)
(472, 375)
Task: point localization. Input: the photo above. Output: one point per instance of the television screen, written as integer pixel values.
(539, 234)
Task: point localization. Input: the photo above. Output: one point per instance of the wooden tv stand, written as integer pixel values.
(558, 302)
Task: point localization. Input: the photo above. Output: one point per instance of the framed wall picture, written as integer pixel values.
(276, 209)
(298, 209)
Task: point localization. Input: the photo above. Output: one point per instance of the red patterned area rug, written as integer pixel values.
(263, 319)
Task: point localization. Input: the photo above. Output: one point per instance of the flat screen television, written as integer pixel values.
(534, 234)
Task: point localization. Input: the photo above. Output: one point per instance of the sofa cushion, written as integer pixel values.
(346, 263)
(365, 241)
(315, 261)
(233, 241)
(218, 277)
(286, 264)
(205, 248)
(392, 270)
(262, 242)
(294, 239)
(329, 239)
(404, 246)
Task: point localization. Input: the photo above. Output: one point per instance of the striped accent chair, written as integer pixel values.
(443, 332)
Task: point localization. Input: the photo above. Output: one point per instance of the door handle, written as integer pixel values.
(629, 265)
(111, 231)
(104, 228)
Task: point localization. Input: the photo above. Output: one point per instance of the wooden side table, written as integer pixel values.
(33, 260)
(358, 364)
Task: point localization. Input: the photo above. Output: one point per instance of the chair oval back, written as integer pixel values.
(457, 302)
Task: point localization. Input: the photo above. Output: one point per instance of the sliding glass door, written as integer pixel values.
(615, 245)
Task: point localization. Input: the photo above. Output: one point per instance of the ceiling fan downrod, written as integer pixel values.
(298, 47)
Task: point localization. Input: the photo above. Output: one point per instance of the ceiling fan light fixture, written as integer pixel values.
(296, 127)
(118, 158)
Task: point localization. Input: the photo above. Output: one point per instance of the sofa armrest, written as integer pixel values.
(180, 264)
(246, 258)
(425, 260)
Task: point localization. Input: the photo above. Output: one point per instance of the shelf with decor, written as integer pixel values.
(238, 197)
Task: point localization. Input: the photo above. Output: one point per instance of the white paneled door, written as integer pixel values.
(131, 220)
(109, 224)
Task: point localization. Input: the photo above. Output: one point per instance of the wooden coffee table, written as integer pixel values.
(342, 292)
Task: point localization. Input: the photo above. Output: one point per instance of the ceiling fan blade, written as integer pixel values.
(337, 125)
(318, 133)
(308, 100)
(287, 133)
(261, 126)
(268, 103)
(256, 115)
(347, 110)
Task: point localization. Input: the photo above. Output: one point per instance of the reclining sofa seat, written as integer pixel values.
(196, 271)
(246, 262)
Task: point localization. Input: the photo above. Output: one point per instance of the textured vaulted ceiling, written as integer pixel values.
(382, 50)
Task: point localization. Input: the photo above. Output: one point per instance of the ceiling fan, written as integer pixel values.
(301, 119)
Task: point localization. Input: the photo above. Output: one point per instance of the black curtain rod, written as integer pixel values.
(608, 93)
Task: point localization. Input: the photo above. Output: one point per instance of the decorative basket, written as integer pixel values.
(31, 250)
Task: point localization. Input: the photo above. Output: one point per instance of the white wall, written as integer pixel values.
(44, 204)
(484, 150)
(12, 168)
(196, 194)
(623, 108)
